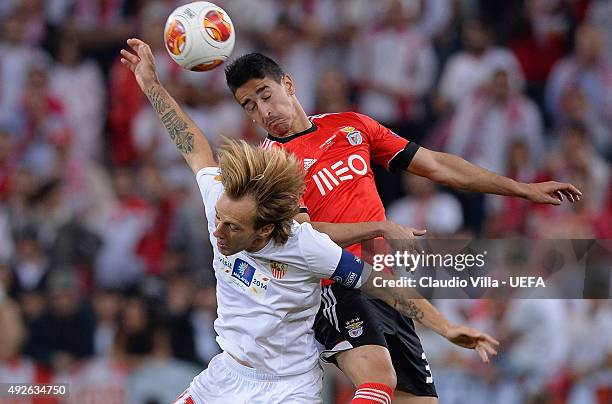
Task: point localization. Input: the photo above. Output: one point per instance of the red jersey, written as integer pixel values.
(337, 152)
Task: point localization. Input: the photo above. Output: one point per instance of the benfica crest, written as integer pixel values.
(354, 327)
(353, 136)
(279, 269)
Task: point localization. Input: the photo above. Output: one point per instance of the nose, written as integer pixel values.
(264, 110)
(218, 233)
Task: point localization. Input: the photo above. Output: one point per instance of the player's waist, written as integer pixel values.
(230, 363)
(282, 361)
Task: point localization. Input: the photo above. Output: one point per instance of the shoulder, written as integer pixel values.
(308, 239)
(212, 173)
(209, 182)
(335, 117)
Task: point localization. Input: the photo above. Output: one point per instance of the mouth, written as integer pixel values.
(273, 122)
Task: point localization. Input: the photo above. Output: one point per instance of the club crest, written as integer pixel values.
(279, 269)
(353, 136)
(354, 327)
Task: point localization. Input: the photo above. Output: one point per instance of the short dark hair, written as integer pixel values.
(251, 66)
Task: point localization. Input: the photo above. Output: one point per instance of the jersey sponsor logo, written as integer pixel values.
(327, 179)
(279, 269)
(354, 327)
(308, 163)
(243, 271)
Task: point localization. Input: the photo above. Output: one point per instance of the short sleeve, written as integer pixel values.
(388, 150)
(209, 182)
(327, 260)
(321, 254)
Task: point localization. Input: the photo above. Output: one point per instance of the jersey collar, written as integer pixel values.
(286, 139)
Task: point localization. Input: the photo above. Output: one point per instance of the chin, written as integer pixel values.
(280, 130)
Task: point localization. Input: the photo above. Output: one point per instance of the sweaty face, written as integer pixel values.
(235, 224)
(269, 103)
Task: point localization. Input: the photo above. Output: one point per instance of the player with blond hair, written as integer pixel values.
(268, 267)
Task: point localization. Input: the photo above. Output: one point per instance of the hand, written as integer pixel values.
(552, 192)
(142, 64)
(471, 338)
(405, 236)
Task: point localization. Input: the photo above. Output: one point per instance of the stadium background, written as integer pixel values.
(104, 255)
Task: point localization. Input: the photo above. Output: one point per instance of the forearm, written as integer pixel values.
(458, 173)
(406, 301)
(346, 234)
(187, 137)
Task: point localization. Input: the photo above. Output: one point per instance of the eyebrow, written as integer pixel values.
(258, 91)
(229, 222)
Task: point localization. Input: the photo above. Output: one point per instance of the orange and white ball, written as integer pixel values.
(199, 36)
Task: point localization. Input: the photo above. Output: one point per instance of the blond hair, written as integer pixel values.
(273, 178)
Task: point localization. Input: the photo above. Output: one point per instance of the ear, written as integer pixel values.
(265, 231)
(287, 81)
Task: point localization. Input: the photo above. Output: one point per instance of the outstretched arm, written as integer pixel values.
(187, 137)
(453, 171)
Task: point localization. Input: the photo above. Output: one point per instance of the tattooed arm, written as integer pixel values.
(187, 137)
(411, 304)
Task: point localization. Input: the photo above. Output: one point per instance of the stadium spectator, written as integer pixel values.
(507, 216)
(17, 57)
(589, 68)
(599, 14)
(576, 107)
(205, 312)
(426, 208)
(78, 82)
(40, 125)
(121, 228)
(527, 326)
(106, 305)
(470, 68)
(590, 357)
(64, 333)
(394, 67)
(333, 92)
(490, 119)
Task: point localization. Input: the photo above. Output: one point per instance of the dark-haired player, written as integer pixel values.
(376, 347)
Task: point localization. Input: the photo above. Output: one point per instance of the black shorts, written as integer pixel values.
(348, 319)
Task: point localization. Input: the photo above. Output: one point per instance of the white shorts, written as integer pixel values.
(226, 381)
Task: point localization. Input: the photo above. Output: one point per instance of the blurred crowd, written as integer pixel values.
(105, 266)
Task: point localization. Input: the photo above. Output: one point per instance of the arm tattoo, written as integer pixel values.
(157, 101)
(176, 127)
(408, 308)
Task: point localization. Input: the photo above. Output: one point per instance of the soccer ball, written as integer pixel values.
(199, 36)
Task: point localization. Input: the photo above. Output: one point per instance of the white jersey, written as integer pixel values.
(267, 301)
